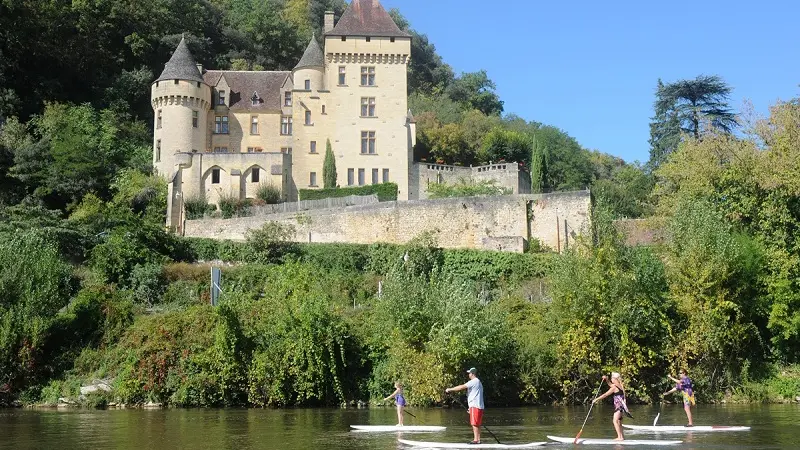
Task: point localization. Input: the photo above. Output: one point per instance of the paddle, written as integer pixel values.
(484, 426)
(659, 412)
(587, 415)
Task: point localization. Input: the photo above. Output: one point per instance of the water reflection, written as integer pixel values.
(773, 427)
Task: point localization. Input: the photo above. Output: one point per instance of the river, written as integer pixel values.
(773, 427)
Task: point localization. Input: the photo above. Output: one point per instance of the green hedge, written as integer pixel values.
(386, 192)
(479, 265)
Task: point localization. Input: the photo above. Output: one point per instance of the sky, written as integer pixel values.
(591, 67)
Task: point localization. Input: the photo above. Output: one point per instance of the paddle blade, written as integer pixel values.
(577, 437)
(656, 420)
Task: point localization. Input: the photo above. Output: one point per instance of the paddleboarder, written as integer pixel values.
(617, 390)
(474, 389)
(399, 400)
(684, 385)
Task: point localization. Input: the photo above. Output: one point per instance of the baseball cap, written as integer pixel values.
(472, 370)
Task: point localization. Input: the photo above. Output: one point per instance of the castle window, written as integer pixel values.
(221, 125)
(287, 150)
(367, 142)
(220, 149)
(214, 176)
(367, 106)
(323, 109)
(385, 175)
(286, 126)
(158, 150)
(255, 175)
(391, 39)
(308, 117)
(158, 120)
(360, 177)
(287, 98)
(368, 39)
(313, 148)
(177, 82)
(350, 176)
(312, 179)
(342, 75)
(374, 176)
(308, 85)
(221, 98)
(253, 124)
(255, 99)
(251, 149)
(344, 38)
(368, 76)
(195, 117)
(198, 84)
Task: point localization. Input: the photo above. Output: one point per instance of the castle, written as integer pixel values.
(226, 133)
(220, 132)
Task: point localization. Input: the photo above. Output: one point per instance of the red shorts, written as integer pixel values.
(475, 417)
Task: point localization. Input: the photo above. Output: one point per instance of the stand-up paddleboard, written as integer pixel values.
(570, 440)
(396, 428)
(467, 445)
(684, 429)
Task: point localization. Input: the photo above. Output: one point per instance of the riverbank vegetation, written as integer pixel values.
(94, 292)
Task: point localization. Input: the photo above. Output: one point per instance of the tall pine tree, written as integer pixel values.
(686, 106)
(329, 167)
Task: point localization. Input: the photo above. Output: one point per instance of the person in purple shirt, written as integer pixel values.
(684, 386)
(399, 400)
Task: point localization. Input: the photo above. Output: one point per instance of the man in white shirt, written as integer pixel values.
(474, 401)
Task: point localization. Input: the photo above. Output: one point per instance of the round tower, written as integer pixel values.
(309, 72)
(181, 101)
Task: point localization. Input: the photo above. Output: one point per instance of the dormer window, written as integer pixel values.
(255, 99)
(221, 98)
(287, 98)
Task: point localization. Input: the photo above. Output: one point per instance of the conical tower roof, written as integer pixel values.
(181, 66)
(313, 56)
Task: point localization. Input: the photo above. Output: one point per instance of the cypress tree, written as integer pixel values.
(329, 168)
(538, 168)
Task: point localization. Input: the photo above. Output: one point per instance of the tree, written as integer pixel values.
(427, 72)
(686, 106)
(329, 167)
(476, 90)
(538, 168)
(568, 164)
(502, 144)
(447, 143)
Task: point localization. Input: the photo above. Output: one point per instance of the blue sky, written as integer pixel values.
(591, 67)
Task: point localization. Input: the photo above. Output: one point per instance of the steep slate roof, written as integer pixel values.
(366, 18)
(313, 56)
(244, 83)
(181, 66)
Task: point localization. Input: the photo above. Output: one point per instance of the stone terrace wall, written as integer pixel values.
(492, 223)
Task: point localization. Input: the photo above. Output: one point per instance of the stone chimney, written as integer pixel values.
(329, 21)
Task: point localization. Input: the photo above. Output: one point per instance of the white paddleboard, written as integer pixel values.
(466, 445)
(683, 429)
(396, 428)
(570, 440)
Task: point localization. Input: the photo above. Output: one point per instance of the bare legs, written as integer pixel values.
(476, 433)
(618, 425)
(688, 408)
(400, 415)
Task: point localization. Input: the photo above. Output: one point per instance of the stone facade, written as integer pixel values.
(505, 223)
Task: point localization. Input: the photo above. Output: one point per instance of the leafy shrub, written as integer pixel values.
(464, 188)
(197, 207)
(126, 248)
(185, 293)
(148, 283)
(386, 192)
(232, 206)
(272, 241)
(269, 194)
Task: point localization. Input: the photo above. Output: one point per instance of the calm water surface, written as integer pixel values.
(773, 427)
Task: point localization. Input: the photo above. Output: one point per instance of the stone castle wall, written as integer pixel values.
(507, 175)
(504, 223)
